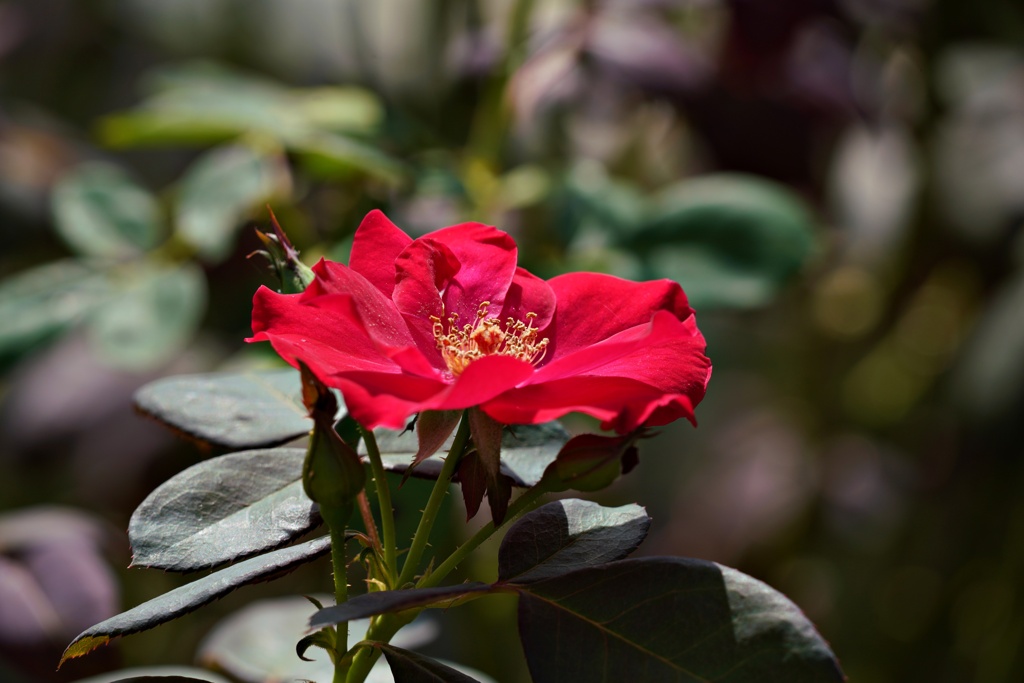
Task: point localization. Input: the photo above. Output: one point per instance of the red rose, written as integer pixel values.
(448, 321)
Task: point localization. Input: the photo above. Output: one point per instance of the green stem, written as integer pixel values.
(387, 512)
(340, 586)
(491, 122)
(518, 507)
(382, 630)
(419, 540)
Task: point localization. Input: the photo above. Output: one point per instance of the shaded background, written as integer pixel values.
(839, 186)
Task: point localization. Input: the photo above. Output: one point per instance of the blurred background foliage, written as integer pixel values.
(838, 184)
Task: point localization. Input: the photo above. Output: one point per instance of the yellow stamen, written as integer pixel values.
(486, 336)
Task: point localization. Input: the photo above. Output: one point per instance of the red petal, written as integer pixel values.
(381, 400)
(650, 374)
(482, 380)
(620, 403)
(592, 307)
(529, 294)
(375, 248)
(666, 353)
(378, 313)
(328, 335)
(424, 269)
(488, 263)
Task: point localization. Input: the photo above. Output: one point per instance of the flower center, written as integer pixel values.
(486, 336)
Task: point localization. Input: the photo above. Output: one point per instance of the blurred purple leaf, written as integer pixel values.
(53, 578)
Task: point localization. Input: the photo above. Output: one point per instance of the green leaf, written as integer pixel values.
(257, 643)
(205, 102)
(565, 535)
(153, 318)
(668, 619)
(222, 510)
(158, 679)
(38, 303)
(219, 190)
(157, 674)
(332, 155)
(255, 409)
(99, 211)
(194, 595)
(342, 109)
(232, 410)
(411, 667)
(372, 604)
(526, 451)
(201, 103)
(730, 240)
(614, 205)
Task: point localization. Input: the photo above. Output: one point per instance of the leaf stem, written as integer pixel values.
(422, 535)
(515, 510)
(387, 512)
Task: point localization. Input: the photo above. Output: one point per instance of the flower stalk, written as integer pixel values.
(338, 563)
(519, 506)
(440, 490)
(387, 513)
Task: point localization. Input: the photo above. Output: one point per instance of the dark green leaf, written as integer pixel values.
(219, 190)
(100, 212)
(152, 319)
(257, 643)
(157, 674)
(591, 462)
(411, 667)
(264, 408)
(222, 510)
(43, 301)
(230, 410)
(730, 240)
(566, 535)
(371, 604)
(324, 639)
(196, 594)
(668, 619)
(526, 450)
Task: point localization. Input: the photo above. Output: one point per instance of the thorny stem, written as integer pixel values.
(382, 629)
(422, 535)
(385, 626)
(387, 513)
(518, 507)
(336, 522)
(368, 521)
